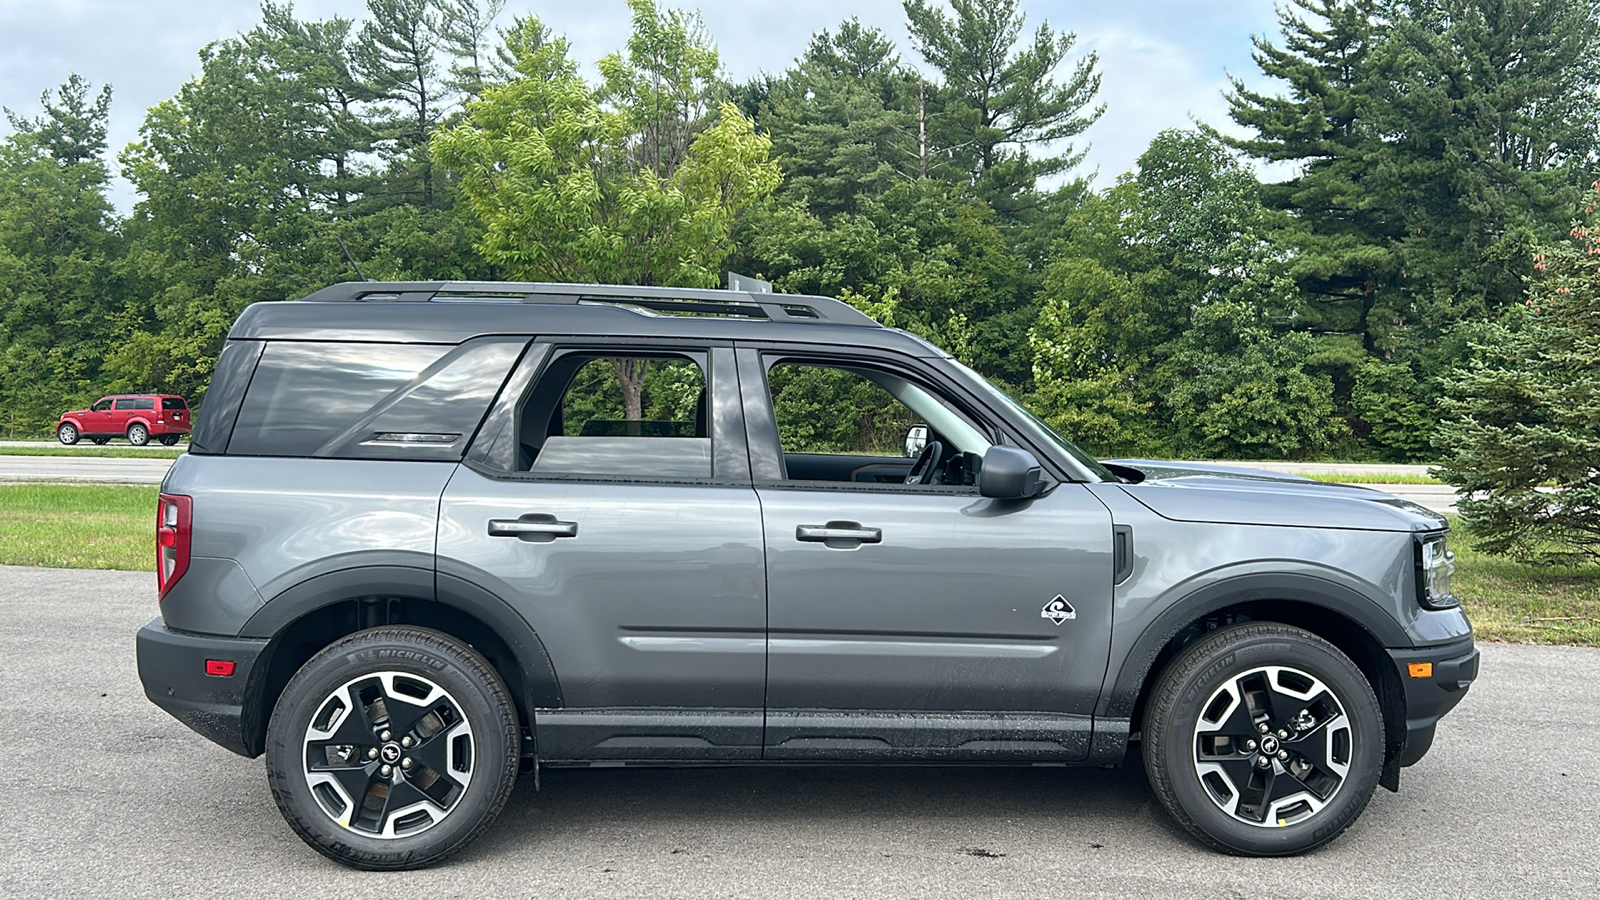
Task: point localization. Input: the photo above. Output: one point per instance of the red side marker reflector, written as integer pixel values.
(1421, 670)
(222, 668)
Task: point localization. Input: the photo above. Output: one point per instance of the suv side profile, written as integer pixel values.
(431, 533)
(138, 417)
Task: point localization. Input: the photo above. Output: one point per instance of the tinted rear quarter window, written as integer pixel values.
(173, 403)
(370, 401)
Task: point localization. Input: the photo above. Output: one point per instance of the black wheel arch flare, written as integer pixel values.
(1350, 621)
(307, 617)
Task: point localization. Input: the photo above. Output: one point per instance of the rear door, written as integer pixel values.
(608, 500)
(916, 619)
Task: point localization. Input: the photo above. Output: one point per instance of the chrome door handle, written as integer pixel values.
(838, 531)
(533, 527)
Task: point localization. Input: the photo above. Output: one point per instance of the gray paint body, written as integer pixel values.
(685, 620)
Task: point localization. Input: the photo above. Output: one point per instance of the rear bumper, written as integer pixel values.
(172, 666)
(1435, 679)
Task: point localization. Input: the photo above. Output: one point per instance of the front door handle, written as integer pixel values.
(839, 534)
(533, 527)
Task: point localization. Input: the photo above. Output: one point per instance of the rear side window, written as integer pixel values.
(370, 401)
(173, 403)
(635, 417)
(136, 403)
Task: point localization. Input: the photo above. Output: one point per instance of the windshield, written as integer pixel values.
(1037, 425)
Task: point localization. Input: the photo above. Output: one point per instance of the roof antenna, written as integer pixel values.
(351, 259)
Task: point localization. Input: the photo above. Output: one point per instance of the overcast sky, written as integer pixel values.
(1164, 62)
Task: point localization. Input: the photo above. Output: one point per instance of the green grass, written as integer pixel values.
(1369, 478)
(68, 526)
(91, 450)
(112, 527)
(1526, 604)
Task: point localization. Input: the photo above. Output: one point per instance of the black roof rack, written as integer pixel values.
(647, 300)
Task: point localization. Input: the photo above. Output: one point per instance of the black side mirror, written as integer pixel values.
(1010, 474)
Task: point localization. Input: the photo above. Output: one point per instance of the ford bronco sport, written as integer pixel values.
(428, 534)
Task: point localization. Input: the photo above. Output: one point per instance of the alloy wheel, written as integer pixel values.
(1273, 746)
(388, 754)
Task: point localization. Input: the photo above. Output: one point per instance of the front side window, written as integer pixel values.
(614, 416)
(842, 422)
(101, 405)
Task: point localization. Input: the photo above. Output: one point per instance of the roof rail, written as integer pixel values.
(649, 300)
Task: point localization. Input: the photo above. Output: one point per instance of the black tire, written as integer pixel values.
(98, 442)
(169, 440)
(1203, 742)
(467, 717)
(138, 435)
(67, 433)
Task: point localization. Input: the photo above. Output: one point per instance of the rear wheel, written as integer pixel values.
(67, 433)
(1263, 740)
(98, 441)
(138, 435)
(392, 748)
(168, 440)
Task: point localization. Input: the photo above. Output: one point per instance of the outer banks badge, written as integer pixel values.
(1058, 610)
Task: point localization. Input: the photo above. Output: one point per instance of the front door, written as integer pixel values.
(917, 619)
(624, 529)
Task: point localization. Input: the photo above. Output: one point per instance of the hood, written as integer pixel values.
(74, 412)
(1206, 492)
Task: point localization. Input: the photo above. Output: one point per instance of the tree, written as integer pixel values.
(1522, 435)
(464, 30)
(1158, 321)
(1010, 97)
(58, 243)
(639, 182)
(397, 56)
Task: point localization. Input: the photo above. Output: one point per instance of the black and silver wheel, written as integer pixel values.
(1263, 739)
(392, 748)
(67, 433)
(138, 435)
(169, 440)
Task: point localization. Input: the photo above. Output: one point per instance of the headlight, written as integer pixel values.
(1435, 565)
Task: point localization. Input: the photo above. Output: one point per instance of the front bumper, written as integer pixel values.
(1435, 679)
(172, 666)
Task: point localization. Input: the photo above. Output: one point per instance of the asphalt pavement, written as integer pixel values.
(106, 796)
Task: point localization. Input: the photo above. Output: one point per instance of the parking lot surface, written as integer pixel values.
(106, 796)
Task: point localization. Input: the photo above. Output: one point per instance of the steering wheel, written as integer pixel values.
(927, 463)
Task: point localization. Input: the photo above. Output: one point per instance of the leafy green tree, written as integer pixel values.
(1522, 434)
(58, 245)
(1009, 96)
(639, 182)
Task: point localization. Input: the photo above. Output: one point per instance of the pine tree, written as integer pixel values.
(1010, 97)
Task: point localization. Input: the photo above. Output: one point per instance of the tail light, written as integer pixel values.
(174, 530)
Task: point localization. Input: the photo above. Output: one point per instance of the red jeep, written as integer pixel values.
(140, 417)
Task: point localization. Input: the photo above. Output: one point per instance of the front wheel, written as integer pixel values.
(138, 435)
(1263, 740)
(67, 433)
(392, 748)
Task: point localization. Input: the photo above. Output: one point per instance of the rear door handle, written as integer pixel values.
(842, 532)
(533, 527)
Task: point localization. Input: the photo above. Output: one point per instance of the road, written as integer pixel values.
(107, 796)
(150, 471)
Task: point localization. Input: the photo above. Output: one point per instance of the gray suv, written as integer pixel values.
(431, 534)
